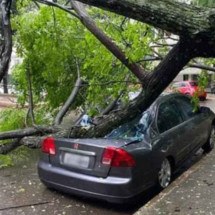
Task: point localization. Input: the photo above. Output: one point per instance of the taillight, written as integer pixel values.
(117, 158)
(48, 146)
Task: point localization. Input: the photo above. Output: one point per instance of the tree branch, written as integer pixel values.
(69, 101)
(175, 17)
(7, 147)
(40, 130)
(200, 66)
(30, 94)
(106, 41)
(51, 3)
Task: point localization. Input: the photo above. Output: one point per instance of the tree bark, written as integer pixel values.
(175, 17)
(20, 133)
(5, 84)
(70, 100)
(6, 37)
(6, 148)
(30, 95)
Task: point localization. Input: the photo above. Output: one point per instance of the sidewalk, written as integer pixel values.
(7, 100)
(192, 193)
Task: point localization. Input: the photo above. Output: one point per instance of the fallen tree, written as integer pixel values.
(195, 27)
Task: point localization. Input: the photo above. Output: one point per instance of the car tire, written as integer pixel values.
(209, 145)
(165, 174)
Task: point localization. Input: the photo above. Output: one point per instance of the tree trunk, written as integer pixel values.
(5, 84)
(175, 17)
(5, 37)
(164, 73)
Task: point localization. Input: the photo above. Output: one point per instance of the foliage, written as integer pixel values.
(195, 102)
(11, 119)
(46, 49)
(14, 118)
(43, 115)
(5, 161)
(17, 156)
(205, 3)
(203, 79)
(52, 43)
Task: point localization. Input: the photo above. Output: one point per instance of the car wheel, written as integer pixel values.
(209, 145)
(164, 175)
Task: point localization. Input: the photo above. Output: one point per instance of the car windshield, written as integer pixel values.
(134, 130)
(193, 84)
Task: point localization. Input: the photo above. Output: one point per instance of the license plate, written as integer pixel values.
(76, 160)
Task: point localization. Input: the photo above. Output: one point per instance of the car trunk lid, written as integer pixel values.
(84, 155)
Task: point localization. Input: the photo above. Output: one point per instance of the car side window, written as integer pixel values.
(176, 85)
(186, 106)
(168, 116)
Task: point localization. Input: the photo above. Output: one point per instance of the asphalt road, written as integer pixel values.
(22, 193)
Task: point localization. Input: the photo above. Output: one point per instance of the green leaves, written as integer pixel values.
(205, 3)
(51, 42)
(11, 119)
(47, 48)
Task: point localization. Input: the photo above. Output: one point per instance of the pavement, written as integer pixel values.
(7, 100)
(191, 193)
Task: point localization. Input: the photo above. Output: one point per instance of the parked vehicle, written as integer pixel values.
(133, 157)
(189, 88)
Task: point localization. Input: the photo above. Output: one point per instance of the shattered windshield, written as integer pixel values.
(134, 130)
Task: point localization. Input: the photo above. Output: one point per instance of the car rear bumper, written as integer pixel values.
(111, 189)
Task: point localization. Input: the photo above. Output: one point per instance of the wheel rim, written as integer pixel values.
(212, 137)
(164, 175)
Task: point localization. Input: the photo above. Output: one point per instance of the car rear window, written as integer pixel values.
(134, 130)
(194, 84)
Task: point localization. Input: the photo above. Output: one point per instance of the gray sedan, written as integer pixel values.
(133, 157)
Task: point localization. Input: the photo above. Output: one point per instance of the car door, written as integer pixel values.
(170, 125)
(194, 123)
